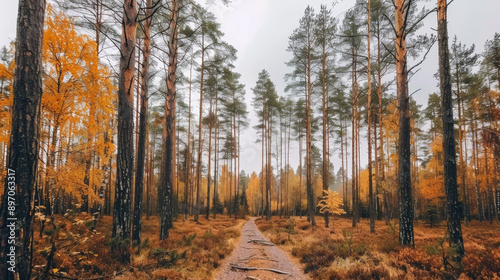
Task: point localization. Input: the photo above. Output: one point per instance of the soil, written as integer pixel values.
(253, 249)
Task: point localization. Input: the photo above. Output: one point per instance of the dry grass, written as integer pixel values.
(344, 252)
(192, 251)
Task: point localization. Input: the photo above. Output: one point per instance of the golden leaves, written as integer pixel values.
(331, 202)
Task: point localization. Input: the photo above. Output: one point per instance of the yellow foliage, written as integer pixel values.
(78, 108)
(254, 193)
(432, 182)
(331, 202)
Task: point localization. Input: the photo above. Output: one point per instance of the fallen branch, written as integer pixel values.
(252, 278)
(262, 242)
(233, 266)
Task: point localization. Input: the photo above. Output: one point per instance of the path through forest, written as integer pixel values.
(253, 250)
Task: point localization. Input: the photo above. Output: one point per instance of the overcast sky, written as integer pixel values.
(259, 29)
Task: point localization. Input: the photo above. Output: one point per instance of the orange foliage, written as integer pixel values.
(78, 106)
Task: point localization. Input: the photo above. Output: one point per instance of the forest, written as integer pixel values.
(131, 147)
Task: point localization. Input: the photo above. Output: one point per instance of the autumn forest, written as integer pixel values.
(131, 147)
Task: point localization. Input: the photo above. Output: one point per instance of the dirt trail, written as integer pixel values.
(259, 253)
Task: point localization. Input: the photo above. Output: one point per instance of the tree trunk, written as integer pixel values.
(209, 175)
(216, 160)
(463, 169)
(234, 155)
(200, 142)
(263, 171)
(370, 178)
(404, 154)
(325, 134)
(165, 190)
(143, 122)
(381, 119)
(300, 175)
(354, 158)
(309, 176)
(450, 165)
(188, 152)
(125, 155)
(475, 154)
(22, 157)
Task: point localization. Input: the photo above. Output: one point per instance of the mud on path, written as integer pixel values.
(253, 250)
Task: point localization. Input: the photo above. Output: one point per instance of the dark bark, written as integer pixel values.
(166, 188)
(370, 173)
(309, 176)
(269, 173)
(125, 155)
(406, 236)
(209, 174)
(325, 134)
(188, 149)
(143, 120)
(450, 165)
(22, 157)
(355, 209)
(263, 171)
(200, 142)
(216, 154)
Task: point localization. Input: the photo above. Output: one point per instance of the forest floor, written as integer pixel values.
(253, 250)
(344, 252)
(193, 250)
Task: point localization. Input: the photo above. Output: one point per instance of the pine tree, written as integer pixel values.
(404, 176)
(125, 156)
(301, 46)
(450, 165)
(462, 60)
(143, 119)
(325, 28)
(24, 140)
(265, 101)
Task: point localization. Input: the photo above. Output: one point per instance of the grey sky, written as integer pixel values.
(259, 29)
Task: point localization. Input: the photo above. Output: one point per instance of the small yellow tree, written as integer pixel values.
(331, 203)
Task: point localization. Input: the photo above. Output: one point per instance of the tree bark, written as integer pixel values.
(188, 152)
(355, 206)
(370, 178)
(166, 188)
(450, 165)
(309, 176)
(209, 175)
(200, 142)
(22, 157)
(125, 155)
(143, 121)
(406, 236)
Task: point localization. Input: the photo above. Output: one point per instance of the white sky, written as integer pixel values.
(259, 29)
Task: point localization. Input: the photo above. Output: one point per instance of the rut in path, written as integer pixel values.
(253, 250)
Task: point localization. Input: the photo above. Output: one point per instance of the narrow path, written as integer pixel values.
(255, 250)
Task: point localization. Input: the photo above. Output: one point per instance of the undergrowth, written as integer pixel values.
(344, 252)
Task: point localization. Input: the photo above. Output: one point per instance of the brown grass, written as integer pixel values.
(192, 251)
(344, 252)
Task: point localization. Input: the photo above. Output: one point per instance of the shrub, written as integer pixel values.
(418, 259)
(483, 264)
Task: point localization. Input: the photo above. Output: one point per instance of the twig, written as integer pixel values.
(266, 259)
(251, 256)
(233, 266)
(252, 278)
(263, 242)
